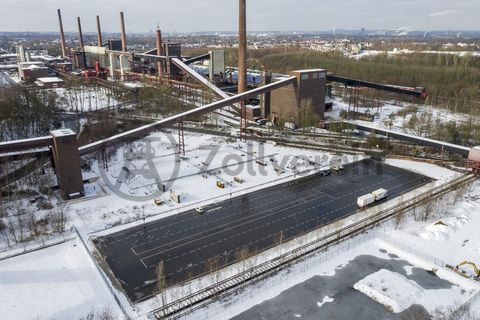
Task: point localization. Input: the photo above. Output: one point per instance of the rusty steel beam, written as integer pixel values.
(143, 131)
(182, 65)
(24, 144)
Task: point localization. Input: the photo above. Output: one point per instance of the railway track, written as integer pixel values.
(203, 297)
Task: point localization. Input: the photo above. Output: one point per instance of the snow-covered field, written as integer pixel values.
(59, 282)
(387, 117)
(84, 99)
(395, 52)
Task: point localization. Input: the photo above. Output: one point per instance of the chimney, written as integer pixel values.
(62, 34)
(159, 52)
(242, 47)
(99, 32)
(124, 36)
(80, 34)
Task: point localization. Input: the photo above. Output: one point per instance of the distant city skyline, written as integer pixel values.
(219, 15)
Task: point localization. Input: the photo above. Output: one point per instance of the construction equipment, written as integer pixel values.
(238, 179)
(336, 167)
(220, 184)
(158, 202)
(465, 274)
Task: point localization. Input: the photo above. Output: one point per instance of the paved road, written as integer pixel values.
(187, 242)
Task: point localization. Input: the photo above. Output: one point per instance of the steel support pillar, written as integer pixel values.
(181, 139)
(243, 121)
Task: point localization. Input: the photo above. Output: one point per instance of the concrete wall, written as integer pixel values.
(284, 103)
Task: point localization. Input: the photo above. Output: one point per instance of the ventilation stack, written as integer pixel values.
(242, 47)
(159, 52)
(99, 32)
(80, 34)
(124, 36)
(62, 34)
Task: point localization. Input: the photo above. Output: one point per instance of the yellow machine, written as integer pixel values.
(463, 273)
(238, 179)
(158, 202)
(220, 184)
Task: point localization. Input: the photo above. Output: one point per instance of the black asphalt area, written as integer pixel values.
(189, 244)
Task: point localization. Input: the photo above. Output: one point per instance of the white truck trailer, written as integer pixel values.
(372, 197)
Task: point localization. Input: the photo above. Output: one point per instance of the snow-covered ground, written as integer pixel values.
(131, 183)
(388, 117)
(59, 282)
(84, 99)
(427, 245)
(121, 200)
(395, 52)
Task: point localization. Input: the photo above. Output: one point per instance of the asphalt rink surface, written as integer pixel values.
(189, 243)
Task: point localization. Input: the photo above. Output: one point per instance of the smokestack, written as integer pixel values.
(80, 34)
(124, 36)
(242, 47)
(62, 34)
(159, 52)
(99, 32)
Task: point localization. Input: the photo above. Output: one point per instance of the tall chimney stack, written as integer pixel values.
(242, 47)
(99, 32)
(124, 36)
(159, 52)
(80, 34)
(62, 34)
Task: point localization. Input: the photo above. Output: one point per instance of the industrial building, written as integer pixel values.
(49, 82)
(286, 101)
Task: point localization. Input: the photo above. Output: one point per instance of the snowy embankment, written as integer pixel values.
(59, 282)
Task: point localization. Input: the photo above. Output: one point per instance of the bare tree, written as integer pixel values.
(428, 206)
(161, 281)
(278, 239)
(58, 218)
(12, 229)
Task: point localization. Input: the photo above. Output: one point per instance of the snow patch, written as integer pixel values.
(326, 299)
(390, 289)
(441, 230)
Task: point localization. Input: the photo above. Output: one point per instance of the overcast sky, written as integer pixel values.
(221, 15)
